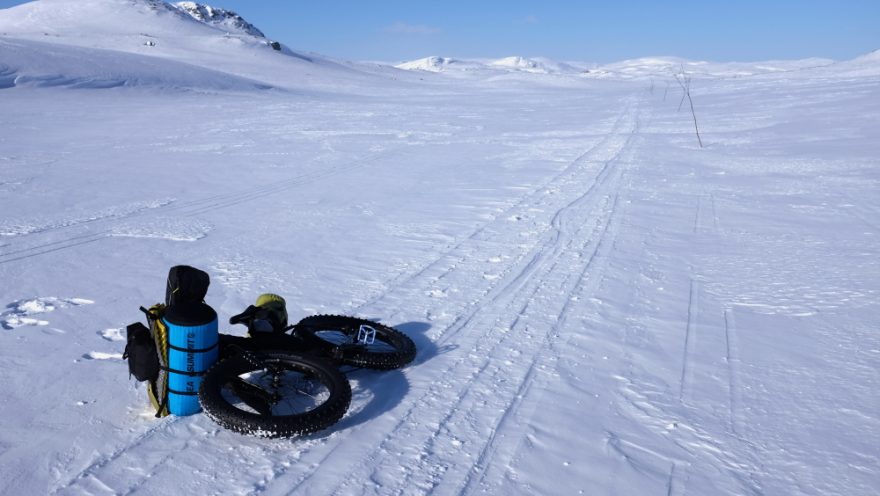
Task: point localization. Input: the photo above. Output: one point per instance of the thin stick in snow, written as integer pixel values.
(685, 83)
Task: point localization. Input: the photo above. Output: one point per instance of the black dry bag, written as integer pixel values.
(186, 285)
(140, 351)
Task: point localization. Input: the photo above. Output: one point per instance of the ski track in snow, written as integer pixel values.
(596, 251)
(429, 433)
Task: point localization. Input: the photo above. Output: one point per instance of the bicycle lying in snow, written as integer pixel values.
(280, 385)
(279, 381)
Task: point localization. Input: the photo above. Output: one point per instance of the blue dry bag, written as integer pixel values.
(192, 349)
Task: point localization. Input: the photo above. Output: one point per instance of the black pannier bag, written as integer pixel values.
(140, 351)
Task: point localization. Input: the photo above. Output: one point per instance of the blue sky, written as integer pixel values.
(591, 31)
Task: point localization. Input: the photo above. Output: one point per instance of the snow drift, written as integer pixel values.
(35, 63)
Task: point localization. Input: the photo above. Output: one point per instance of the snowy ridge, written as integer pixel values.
(667, 66)
(40, 64)
(438, 64)
(869, 57)
(538, 65)
(541, 65)
(641, 68)
(224, 19)
(87, 21)
(156, 29)
(865, 65)
(520, 64)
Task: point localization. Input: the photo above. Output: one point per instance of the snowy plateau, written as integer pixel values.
(601, 305)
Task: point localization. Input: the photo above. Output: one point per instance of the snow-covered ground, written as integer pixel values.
(600, 305)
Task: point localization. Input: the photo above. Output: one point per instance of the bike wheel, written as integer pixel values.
(274, 394)
(358, 342)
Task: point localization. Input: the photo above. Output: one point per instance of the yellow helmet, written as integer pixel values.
(276, 307)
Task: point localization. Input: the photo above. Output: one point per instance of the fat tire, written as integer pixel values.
(403, 349)
(218, 409)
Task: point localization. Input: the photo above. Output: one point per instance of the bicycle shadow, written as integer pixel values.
(427, 349)
(376, 392)
(373, 392)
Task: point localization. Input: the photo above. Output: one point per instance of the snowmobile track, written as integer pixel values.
(104, 460)
(531, 199)
(436, 414)
(511, 309)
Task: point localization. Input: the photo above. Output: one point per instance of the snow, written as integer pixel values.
(36, 63)
(600, 305)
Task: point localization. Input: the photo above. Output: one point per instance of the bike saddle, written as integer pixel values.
(244, 317)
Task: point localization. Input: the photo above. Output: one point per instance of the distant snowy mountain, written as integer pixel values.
(538, 65)
(439, 64)
(665, 66)
(645, 67)
(519, 64)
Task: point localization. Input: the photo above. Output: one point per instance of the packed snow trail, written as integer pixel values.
(499, 336)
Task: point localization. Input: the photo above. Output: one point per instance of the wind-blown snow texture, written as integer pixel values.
(600, 306)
